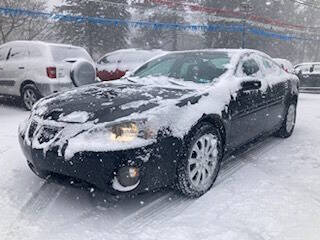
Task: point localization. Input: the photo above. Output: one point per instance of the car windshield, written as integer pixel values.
(60, 53)
(199, 67)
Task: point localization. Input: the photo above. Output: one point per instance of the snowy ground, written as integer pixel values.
(269, 192)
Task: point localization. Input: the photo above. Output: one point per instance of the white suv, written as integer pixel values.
(32, 69)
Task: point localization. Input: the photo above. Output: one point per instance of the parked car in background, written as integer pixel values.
(34, 69)
(170, 123)
(309, 75)
(114, 65)
(285, 64)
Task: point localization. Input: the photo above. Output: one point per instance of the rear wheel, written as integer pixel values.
(289, 122)
(201, 163)
(29, 95)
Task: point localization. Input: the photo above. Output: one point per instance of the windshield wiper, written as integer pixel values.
(130, 80)
(175, 83)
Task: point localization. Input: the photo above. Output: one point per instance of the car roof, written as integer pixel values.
(306, 63)
(228, 50)
(39, 43)
(133, 50)
(237, 53)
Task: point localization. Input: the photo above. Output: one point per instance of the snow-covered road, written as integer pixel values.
(269, 192)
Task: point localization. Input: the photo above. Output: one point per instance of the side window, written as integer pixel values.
(104, 60)
(34, 51)
(250, 67)
(270, 67)
(3, 53)
(316, 69)
(114, 58)
(17, 53)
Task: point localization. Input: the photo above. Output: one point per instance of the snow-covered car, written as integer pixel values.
(309, 75)
(285, 64)
(115, 65)
(171, 122)
(32, 69)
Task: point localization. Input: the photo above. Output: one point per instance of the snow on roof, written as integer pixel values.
(306, 63)
(24, 42)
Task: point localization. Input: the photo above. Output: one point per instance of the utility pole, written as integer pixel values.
(245, 8)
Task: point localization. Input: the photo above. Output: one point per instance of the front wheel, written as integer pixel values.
(289, 122)
(200, 165)
(30, 96)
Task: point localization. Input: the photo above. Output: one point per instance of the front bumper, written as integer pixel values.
(157, 164)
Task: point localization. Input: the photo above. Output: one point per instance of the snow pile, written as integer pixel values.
(75, 117)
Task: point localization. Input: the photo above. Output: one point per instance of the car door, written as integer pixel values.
(16, 67)
(275, 96)
(247, 105)
(3, 74)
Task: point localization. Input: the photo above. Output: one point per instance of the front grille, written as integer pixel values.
(32, 129)
(48, 133)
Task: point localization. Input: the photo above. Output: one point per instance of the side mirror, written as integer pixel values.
(251, 85)
(250, 67)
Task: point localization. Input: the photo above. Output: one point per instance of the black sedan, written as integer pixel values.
(170, 123)
(309, 76)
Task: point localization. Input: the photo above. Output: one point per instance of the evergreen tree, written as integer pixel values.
(159, 38)
(97, 38)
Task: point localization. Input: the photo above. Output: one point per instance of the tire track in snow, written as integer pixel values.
(159, 210)
(235, 163)
(251, 158)
(34, 208)
(173, 204)
(46, 195)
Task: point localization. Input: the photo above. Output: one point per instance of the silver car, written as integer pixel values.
(33, 69)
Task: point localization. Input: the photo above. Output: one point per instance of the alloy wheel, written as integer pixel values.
(291, 118)
(29, 98)
(203, 161)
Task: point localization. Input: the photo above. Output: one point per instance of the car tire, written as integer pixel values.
(201, 158)
(289, 121)
(29, 96)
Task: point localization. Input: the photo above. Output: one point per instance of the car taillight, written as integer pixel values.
(52, 72)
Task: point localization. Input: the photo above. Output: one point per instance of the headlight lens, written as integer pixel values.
(129, 131)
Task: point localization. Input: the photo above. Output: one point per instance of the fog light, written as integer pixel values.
(128, 176)
(133, 172)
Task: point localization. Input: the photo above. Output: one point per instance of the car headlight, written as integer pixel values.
(129, 131)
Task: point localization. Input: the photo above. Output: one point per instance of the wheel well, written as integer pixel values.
(294, 98)
(26, 82)
(216, 121)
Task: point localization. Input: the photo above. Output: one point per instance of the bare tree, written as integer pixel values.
(22, 27)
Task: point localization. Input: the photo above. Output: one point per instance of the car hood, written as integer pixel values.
(107, 102)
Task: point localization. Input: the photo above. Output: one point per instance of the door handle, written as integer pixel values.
(21, 67)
